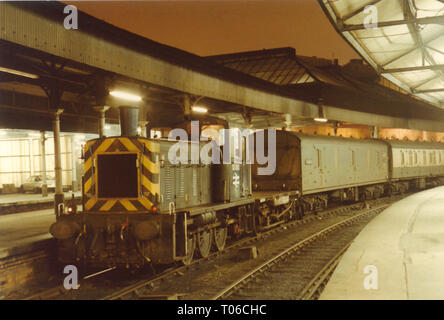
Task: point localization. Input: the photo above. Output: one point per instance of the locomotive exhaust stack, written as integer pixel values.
(129, 119)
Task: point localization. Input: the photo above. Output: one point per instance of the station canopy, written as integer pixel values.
(402, 39)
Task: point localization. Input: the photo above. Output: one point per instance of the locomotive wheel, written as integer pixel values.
(204, 240)
(191, 245)
(220, 238)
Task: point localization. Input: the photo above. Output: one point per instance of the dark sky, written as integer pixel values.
(219, 26)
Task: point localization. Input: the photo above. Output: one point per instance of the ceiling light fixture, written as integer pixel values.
(19, 73)
(199, 109)
(125, 96)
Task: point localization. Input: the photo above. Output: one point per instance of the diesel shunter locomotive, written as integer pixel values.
(140, 207)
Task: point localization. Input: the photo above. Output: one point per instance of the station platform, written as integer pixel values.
(25, 232)
(7, 201)
(398, 255)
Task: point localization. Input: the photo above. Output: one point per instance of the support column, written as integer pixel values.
(148, 130)
(374, 132)
(143, 126)
(58, 196)
(335, 128)
(43, 164)
(247, 116)
(31, 155)
(187, 106)
(73, 165)
(288, 121)
(101, 110)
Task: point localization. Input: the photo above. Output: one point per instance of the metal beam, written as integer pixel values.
(333, 13)
(357, 11)
(411, 50)
(131, 59)
(333, 113)
(51, 37)
(428, 20)
(425, 82)
(430, 90)
(409, 69)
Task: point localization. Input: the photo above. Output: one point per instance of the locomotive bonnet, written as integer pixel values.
(139, 207)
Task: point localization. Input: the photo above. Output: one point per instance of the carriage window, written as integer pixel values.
(402, 158)
(319, 158)
(416, 157)
(410, 158)
(425, 157)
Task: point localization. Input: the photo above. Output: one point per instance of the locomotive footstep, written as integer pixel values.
(248, 253)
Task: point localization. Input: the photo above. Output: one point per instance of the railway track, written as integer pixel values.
(144, 286)
(301, 270)
(167, 285)
(22, 272)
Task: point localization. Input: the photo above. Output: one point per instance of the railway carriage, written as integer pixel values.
(415, 164)
(321, 168)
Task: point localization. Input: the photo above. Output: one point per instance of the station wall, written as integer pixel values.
(21, 158)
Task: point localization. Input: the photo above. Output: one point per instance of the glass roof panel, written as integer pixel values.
(402, 39)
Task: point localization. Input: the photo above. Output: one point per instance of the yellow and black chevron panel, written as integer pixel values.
(148, 174)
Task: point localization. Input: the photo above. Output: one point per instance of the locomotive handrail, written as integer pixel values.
(93, 185)
(172, 207)
(141, 170)
(60, 208)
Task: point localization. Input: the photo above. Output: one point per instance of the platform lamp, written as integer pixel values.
(198, 108)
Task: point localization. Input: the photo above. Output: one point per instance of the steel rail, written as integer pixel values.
(322, 276)
(294, 248)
